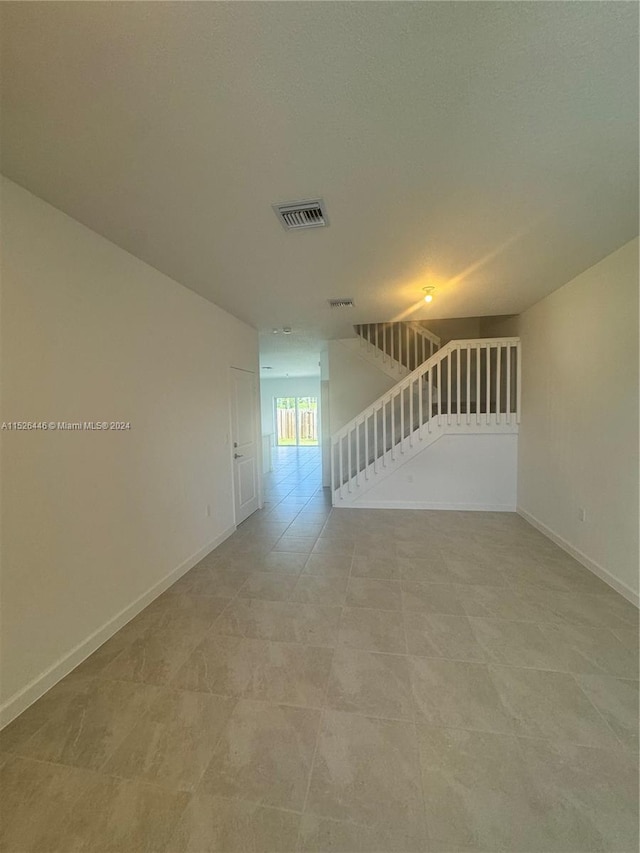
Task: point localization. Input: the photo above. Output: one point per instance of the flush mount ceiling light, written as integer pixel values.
(428, 293)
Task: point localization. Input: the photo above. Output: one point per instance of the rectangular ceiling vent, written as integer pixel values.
(341, 303)
(295, 215)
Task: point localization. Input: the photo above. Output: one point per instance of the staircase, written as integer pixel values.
(465, 387)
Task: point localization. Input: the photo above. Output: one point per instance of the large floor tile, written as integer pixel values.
(617, 701)
(157, 654)
(431, 598)
(221, 665)
(521, 644)
(292, 674)
(592, 650)
(264, 755)
(220, 825)
(268, 586)
(424, 568)
(441, 635)
(550, 705)
(118, 816)
(457, 694)
(477, 793)
(328, 565)
(588, 798)
(282, 621)
(366, 771)
(172, 743)
(282, 562)
(36, 798)
(371, 683)
(86, 731)
(315, 589)
(216, 580)
(323, 835)
(375, 630)
(374, 593)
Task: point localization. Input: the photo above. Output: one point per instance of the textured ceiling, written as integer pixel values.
(487, 148)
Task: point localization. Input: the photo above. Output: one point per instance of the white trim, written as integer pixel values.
(36, 688)
(462, 507)
(587, 562)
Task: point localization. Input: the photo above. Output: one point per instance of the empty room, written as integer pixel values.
(319, 434)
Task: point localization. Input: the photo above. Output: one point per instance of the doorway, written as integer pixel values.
(296, 421)
(244, 443)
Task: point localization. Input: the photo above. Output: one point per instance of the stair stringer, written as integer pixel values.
(410, 447)
(375, 356)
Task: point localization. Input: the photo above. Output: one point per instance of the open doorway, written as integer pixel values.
(296, 421)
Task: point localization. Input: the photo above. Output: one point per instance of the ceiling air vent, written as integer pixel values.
(302, 214)
(341, 303)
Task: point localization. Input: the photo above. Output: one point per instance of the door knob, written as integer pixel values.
(237, 455)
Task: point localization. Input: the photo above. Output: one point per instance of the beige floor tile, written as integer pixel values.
(299, 544)
(172, 743)
(366, 771)
(36, 798)
(215, 580)
(202, 607)
(374, 593)
(477, 794)
(383, 568)
(328, 565)
(472, 570)
(280, 621)
(315, 589)
(457, 694)
(264, 755)
(431, 598)
(523, 644)
(587, 797)
(549, 705)
(374, 630)
(211, 824)
(268, 586)
(617, 701)
(118, 816)
(282, 562)
(593, 650)
(291, 674)
(441, 635)
(221, 665)
(304, 530)
(58, 700)
(334, 545)
(86, 731)
(492, 602)
(424, 570)
(371, 683)
(323, 835)
(156, 655)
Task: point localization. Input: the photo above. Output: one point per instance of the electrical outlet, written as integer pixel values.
(582, 514)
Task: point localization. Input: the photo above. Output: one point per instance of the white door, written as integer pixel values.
(244, 443)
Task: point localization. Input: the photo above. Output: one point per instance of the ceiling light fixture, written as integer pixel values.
(428, 293)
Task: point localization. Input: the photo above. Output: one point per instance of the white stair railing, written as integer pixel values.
(403, 343)
(467, 384)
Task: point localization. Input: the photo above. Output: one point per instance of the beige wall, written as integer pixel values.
(578, 444)
(95, 521)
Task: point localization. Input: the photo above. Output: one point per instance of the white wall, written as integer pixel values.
(302, 386)
(354, 383)
(463, 472)
(94, 522)
(578, 443)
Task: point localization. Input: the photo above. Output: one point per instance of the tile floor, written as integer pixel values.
(355, 681)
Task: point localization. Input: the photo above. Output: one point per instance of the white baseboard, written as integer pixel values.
(36, 688)
(461, 507)
(587, 562)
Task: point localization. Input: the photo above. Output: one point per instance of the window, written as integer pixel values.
(297, 421)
